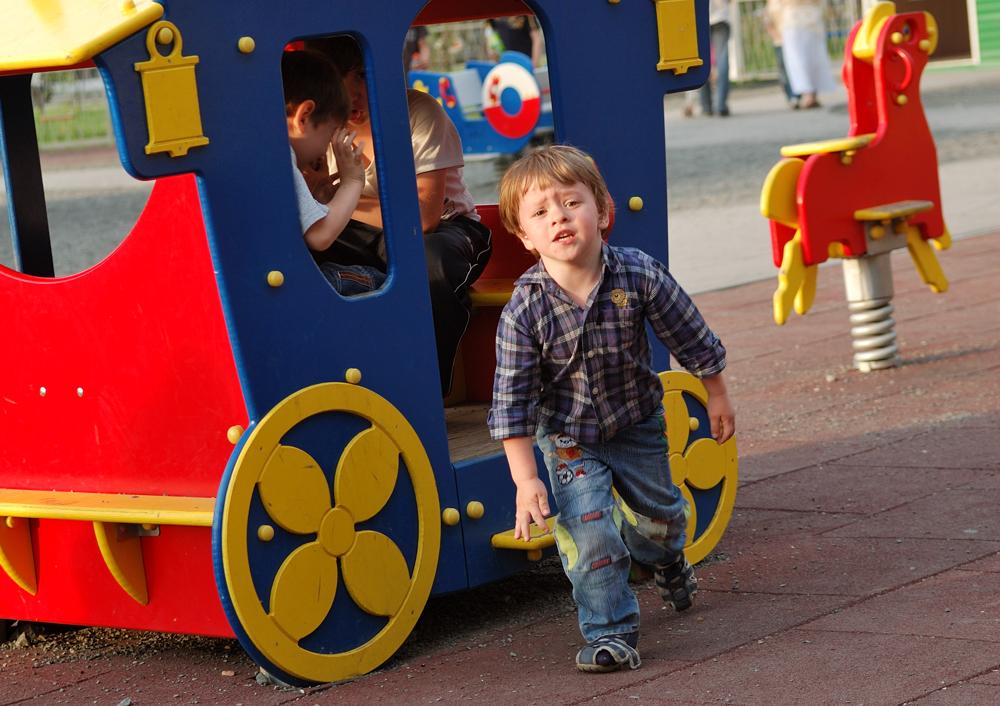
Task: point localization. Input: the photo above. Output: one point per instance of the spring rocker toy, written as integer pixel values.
(862, 196)
(198, 434)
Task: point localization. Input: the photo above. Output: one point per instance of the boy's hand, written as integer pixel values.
(722, 417)
(532, 504)
(349, 156)
(720, 410)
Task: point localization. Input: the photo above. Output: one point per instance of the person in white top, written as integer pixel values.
(803, 38)
(456, 245)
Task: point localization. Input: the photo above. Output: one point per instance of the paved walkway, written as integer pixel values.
(862, 564)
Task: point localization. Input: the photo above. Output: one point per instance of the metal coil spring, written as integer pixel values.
(873, 331)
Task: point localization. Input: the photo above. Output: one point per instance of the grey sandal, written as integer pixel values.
(607, 654)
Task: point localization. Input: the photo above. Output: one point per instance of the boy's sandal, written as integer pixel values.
(607, 654)
(677, 584)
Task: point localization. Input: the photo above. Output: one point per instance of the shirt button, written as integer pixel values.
(594, 390)
(590, 354)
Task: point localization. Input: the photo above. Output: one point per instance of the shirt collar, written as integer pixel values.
(537, 274)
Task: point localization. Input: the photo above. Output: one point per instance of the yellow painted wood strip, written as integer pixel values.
(491, 292)
(538, 541)
(840, 144)
(886, 212)
(107, 507)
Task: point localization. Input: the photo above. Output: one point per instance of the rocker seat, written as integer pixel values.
(891, 211)
(839, 144)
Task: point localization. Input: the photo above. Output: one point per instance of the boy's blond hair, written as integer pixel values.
(560, 164)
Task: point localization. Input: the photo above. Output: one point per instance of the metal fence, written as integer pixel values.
(752, 55)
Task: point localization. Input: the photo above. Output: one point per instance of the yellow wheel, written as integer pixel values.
(704, 470)
(328, 534)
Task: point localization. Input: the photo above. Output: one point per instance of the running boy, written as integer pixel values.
(316, 110)
(574, 371)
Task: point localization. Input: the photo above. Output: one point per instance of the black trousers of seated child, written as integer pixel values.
(456, 253)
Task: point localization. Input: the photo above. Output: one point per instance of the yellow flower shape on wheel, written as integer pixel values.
(283, 619)
(703, 464)
(296, 495)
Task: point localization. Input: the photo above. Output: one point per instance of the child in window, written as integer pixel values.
(574, 372)
(316, 110)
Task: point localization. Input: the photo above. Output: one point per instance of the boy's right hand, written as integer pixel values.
(532, 504)
(349, 156)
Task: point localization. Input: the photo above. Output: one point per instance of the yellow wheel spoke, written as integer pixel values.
(707, 463)
(678, 427)
(294, 490)
(303, 590)
(678, 468)
(366, 474)
(376, 574)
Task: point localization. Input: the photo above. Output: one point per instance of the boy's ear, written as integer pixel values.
(304, 111)
(526, 243)
(605, 218)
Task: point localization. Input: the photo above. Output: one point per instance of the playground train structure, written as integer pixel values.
(198, 434)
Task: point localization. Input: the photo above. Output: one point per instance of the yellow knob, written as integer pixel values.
(275, 278)
(165, 35)
(925, 45)
(877, 232)
(896, 37)
(901, 99)
(450, 516)
(353, 376)
(635, 203)
(246, 44)
(128, 6)
(693, 423)
(234, 433)
(475, 510)
(11, 522)
(265, 533)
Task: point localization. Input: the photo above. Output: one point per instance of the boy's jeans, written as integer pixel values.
(351, 280)
(589, 532)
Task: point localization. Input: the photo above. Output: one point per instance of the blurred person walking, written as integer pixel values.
(803, 39)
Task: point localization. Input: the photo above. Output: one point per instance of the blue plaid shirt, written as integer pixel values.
(586, 371)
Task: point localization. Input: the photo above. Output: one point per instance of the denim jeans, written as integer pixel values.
(351, 280)
(597, 533)
(720, 55)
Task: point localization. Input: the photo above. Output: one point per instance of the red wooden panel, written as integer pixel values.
(121, 379)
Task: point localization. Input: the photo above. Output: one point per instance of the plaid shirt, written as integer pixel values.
(586, 371)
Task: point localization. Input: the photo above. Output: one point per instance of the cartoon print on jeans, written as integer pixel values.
(566, 447)
(563, 474)
(579, 472)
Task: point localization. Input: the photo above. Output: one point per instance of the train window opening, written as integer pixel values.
(344, 229)
(491, 75)
(65, 199)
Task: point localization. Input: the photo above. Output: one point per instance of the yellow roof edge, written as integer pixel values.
(69, 46)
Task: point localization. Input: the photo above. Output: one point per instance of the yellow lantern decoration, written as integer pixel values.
(170, 92)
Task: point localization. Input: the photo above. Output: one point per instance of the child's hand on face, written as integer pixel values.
(532, 503)
(349, 156)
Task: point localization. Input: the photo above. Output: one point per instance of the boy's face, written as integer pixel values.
(562, 223)
(357, 91)
(309, 139)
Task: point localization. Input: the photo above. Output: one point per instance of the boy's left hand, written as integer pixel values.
(722, 417)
